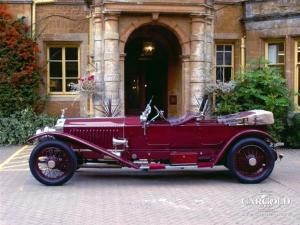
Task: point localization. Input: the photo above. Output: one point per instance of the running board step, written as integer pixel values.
(161, 166)
(99, 165)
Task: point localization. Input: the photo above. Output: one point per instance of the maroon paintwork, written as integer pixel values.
(186, 141)
(156, 144)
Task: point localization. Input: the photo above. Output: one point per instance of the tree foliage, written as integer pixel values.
(260, 87)
(19, 72)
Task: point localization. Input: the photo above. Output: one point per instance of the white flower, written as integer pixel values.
(222, 87)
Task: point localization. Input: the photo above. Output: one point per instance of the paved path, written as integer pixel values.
(106, 196)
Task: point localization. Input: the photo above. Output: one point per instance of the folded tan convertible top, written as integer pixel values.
(252, 117)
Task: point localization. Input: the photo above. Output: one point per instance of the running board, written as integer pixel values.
(161, 166)
(99, 165)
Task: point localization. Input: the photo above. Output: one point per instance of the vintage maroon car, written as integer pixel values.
(239, 142)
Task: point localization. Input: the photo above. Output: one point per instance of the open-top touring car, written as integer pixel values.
(237, 141)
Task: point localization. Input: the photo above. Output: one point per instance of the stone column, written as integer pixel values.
(111, 58)
(185, 68)
(209, 47)
(98, 59)
(198, 67)
(289, 63)
(122, 83)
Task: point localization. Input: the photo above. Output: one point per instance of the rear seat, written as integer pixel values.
(180, 120)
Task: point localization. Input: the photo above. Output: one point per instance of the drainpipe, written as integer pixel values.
(243, 53)
(33, 13)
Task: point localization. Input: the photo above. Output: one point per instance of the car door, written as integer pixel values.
(157, 135)
(185, 136)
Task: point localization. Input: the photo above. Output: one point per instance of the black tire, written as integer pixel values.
(251, 160)
(57, 158)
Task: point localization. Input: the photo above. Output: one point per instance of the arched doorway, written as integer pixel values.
(152, 68)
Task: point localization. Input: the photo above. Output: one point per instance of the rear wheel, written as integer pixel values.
(251, 160)
(52, 162)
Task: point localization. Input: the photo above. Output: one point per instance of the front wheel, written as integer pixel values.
(52, 162)
(251, 160)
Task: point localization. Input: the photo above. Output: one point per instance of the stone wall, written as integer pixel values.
(60, 18)
(20, 10)
(273, 20)
(228, 28)
(261, 8)
(102, 33)
(63, 24)
(208, 2)
(54, 107)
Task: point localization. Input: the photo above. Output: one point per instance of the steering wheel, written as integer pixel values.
(159, 112)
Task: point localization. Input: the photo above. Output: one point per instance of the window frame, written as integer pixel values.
(296, 75)
(224, 65)
(63, 60)
(276, 41)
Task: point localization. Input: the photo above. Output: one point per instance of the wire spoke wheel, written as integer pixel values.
(52, 162)
(251, 160)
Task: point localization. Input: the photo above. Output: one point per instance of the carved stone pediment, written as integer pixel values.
(156, 6)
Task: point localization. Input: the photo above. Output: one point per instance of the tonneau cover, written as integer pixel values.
(252, 117)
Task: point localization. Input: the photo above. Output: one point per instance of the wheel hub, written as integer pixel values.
(51, 164)
(252, 161)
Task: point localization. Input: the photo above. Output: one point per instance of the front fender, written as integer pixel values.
(247, 133)
(73, 139)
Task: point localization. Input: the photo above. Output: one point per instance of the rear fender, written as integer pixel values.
(81, 142)
(247, 133)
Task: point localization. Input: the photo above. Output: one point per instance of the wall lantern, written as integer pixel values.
(148, 48)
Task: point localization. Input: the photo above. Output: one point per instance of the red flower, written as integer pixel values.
(16, 77)
(36, 48)
(91, 77)
(29, 69)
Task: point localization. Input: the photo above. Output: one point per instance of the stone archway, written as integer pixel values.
(194, 35)
(181, 35)
(156, 72)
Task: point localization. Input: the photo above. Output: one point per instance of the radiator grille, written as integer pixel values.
(100, 136)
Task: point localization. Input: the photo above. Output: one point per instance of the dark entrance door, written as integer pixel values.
(152, 68)
(146, 76)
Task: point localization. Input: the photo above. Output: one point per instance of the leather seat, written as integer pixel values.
(183, 119)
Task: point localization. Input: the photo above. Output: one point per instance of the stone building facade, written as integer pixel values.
(170, 49)
(275, 26)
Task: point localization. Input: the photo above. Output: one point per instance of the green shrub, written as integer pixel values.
(292, 133)
(258, 88)
(16, 128)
